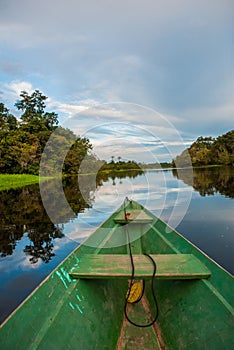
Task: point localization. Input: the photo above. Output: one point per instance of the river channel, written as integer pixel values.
(37, 232)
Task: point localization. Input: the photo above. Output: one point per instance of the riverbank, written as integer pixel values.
(13, 181)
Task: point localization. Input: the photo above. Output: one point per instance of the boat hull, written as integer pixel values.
(64, 312)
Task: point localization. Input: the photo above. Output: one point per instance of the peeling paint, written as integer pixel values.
(78, 297)
(77, 306)
(77, 259)
(65, 274)
(61, 278)
(71, 305)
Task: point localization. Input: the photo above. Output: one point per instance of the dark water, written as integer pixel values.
(199, 204)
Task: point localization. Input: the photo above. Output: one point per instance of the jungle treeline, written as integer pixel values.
(36, 136)
(207, 151)
(36, 144)
(22, 141)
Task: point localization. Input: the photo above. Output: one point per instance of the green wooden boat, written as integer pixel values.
(80, 305)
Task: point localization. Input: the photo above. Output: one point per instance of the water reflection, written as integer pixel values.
(27, 233)
(209, 181)
(22, 212)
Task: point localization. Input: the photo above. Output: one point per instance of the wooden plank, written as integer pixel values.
(169, 266)
(138, 338)
(133, 216)
(136, 246)
(133, 234)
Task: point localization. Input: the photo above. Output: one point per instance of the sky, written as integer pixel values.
(141, 79)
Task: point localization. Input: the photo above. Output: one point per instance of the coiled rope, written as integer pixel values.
(133, 278)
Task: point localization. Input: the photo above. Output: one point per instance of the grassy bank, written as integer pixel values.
(8, 181)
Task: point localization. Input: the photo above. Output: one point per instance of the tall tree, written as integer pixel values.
(32, 105)
(34, 115)
(22, 144)
(7, 121)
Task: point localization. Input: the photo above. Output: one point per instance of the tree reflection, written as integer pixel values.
(9, 235)
(104, 177)
(41, 245)
(210, 180)
(22, 212)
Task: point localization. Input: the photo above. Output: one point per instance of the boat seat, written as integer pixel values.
(169, 266)
(133, 216)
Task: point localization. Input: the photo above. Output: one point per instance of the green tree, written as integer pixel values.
(32, 105)
(36, 127)
(8, 130)
(34, 116)
(209, 151)
(223, 151)
(75, 155)
(7, 121)
(22, 144)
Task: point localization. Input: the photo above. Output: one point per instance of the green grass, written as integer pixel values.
(8, 181)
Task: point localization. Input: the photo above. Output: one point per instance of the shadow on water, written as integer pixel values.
(209, 181)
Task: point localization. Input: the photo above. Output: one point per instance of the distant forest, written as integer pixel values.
(208, 151)
(22, 143)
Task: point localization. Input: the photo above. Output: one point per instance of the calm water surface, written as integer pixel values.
(201, 207)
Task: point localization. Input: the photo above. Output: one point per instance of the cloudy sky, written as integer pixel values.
(141, 79)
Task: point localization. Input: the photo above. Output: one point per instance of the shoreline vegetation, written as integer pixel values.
(14, 181)
(27, 148)
(208, 151)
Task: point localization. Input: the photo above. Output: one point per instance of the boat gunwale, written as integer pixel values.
(194, 246)
(57, 267)
(208, 282)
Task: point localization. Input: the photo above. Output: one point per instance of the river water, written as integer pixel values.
(37, 230)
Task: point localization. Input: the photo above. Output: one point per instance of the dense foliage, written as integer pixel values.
(209, 151)
(22, 142)
(209, 180)
(155, 165)
(120, 165)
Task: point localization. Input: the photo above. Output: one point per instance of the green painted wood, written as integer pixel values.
(131, 337)
(133, 232)
(136, 247)
(137, 216)
(171, 266)
(63, 313)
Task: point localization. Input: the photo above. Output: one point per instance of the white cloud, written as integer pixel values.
(208, 121)
(17, 86)
(172, 56)
(10, 93)
(68, 109)
(127, 130)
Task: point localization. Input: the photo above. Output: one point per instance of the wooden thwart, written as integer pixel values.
(133, 216)
(169, 266)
